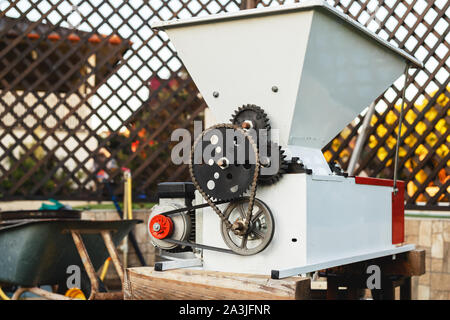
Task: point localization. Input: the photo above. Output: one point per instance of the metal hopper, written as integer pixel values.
(311, 68)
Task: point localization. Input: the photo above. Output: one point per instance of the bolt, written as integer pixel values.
(223, 163)
(265, 161)
(156, 227)
(275, 89)
(215, 94)
(247, 124)
(238, 227)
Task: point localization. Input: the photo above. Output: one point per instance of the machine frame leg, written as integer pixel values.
(177, 263)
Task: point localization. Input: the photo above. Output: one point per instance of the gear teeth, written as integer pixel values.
(283, 166)
(258, 110)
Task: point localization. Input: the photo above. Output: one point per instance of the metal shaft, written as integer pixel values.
(361, 140)
(400, 121)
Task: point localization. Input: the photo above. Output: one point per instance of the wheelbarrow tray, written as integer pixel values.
(38, 252)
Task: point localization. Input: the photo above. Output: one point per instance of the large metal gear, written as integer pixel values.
(257, 236)
(269, 179)
(227, 165)
(250, 116)
(224, 165)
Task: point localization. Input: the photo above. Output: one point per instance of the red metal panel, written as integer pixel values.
(398, 214)
(398, 205)
(375, 181)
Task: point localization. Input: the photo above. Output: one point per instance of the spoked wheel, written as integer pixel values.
(260, 230)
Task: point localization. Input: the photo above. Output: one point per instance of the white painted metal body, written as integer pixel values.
(332, 220)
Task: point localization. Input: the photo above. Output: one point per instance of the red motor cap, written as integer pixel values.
(161, 226)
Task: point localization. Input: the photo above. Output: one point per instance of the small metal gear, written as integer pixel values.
(227, 166)
(250, 116)
(269, 179)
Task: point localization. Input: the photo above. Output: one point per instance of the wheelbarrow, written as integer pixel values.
(38, 248)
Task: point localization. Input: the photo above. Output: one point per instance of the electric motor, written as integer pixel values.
(179, 226)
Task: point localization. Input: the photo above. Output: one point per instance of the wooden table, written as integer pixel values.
(144, 283)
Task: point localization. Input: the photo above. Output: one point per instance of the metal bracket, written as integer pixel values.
(178, 263)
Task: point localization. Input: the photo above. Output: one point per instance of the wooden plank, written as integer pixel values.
(144, 283)
(416, 262)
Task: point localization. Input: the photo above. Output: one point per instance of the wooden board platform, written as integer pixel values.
(145, 283)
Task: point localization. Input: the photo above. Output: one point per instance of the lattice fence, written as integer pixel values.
(87, 88)
(422, 29)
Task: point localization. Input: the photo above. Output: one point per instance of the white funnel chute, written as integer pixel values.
(308, 66)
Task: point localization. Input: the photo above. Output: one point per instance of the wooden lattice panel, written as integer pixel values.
(87, 88)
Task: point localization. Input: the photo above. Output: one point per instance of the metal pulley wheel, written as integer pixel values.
(260, 229)
(176, 226)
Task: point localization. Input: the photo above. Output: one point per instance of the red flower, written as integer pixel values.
(141, 133)
(154, 84)
(134, 145)
(173, 84)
